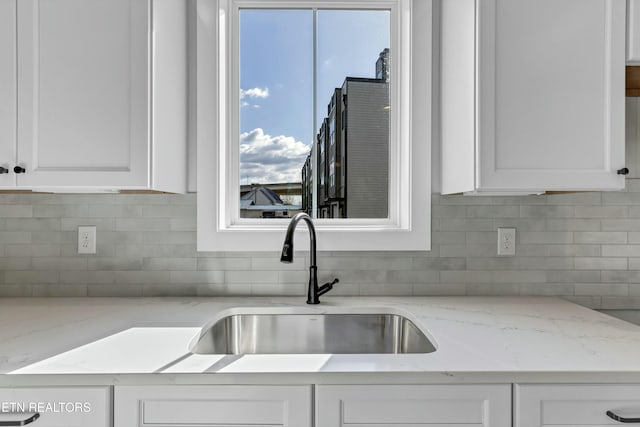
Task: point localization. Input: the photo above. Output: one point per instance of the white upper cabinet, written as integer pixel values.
(633, 32)
(100, 94)
(532, 95)
(7, 90)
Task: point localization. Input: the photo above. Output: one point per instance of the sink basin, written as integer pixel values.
(312, 334)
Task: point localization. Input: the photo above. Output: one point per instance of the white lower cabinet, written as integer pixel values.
(204, 406)
(413, 405)
(56, 406)
(335, 405)
(537, 405)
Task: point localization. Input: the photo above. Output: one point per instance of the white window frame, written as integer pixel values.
(220, 227)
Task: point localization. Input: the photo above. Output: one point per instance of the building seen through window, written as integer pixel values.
(354, 158)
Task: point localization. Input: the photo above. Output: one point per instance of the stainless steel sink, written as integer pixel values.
(312, 334)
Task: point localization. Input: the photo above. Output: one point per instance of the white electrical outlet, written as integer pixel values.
(87, 239)
(506, 241)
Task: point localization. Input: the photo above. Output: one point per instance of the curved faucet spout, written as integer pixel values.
(313, 293)
(287, 247)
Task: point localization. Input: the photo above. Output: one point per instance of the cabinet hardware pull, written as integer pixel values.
(4, 170)
(24, 422)
(618, 418)
(19, 169)
(623, 171)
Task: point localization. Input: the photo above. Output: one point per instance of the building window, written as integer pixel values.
(236, 146)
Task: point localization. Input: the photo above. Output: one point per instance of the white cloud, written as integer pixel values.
(266, 159)
(255, 92)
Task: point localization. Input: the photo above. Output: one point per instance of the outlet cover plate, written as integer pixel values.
(506, 241)
(87, 239)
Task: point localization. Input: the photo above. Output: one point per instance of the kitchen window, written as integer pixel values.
(227, 99)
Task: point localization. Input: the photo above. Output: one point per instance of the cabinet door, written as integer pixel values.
(551, 94)
(7, 90)
(287, 406)
(57, 406)
(632, 136)
(537, 405)
(633, 32)
(83, 110)
(413, 405)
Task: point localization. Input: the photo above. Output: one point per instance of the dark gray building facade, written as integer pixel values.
(352, 147)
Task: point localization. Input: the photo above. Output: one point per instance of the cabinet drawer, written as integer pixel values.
(287, 406)
(415, 405)
(58, 406)
(574, 405)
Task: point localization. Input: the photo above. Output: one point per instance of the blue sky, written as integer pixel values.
(276, 77)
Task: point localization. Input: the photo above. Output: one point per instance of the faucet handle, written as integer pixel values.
(327, 287)
(336, 280)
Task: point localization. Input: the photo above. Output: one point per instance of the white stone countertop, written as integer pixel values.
(58, 341)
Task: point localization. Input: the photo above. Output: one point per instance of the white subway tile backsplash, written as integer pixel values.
(278, 289)
(438, 264)
(492, 289)
(621, 276)
(59, 263)
(208, 277)
(102, 290)
(570, 276)
(630, 224)
(495, 263)
(547, 211)
(57, 211)
(597, 263)
(621, 250)
(31, 250)
(32, 224)
(547, 289)
(299, 276)
(469, 250)
(15, 263)
(16, 211)
(223, 264)
(622, 198)
(522, 224)
(30, 277)
(581, 246)
(600, 237)
(142, 224)
(413, 276)
(599, 289)
(500, 211)
(8, 237)
(575, 250)
(114, 211)
(143, 277)
(222, 289)
(573, 224)
(546, 263)
(251, 277)
(72, 224)
(534, 250)
(604, 211)
(575, 199)
(173, 290)
(58, 290)
(169, 264)
(120, 263)
(168, 237)
(440, 289)
(544, 237)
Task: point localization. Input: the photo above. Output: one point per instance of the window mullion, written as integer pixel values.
(314, 144)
